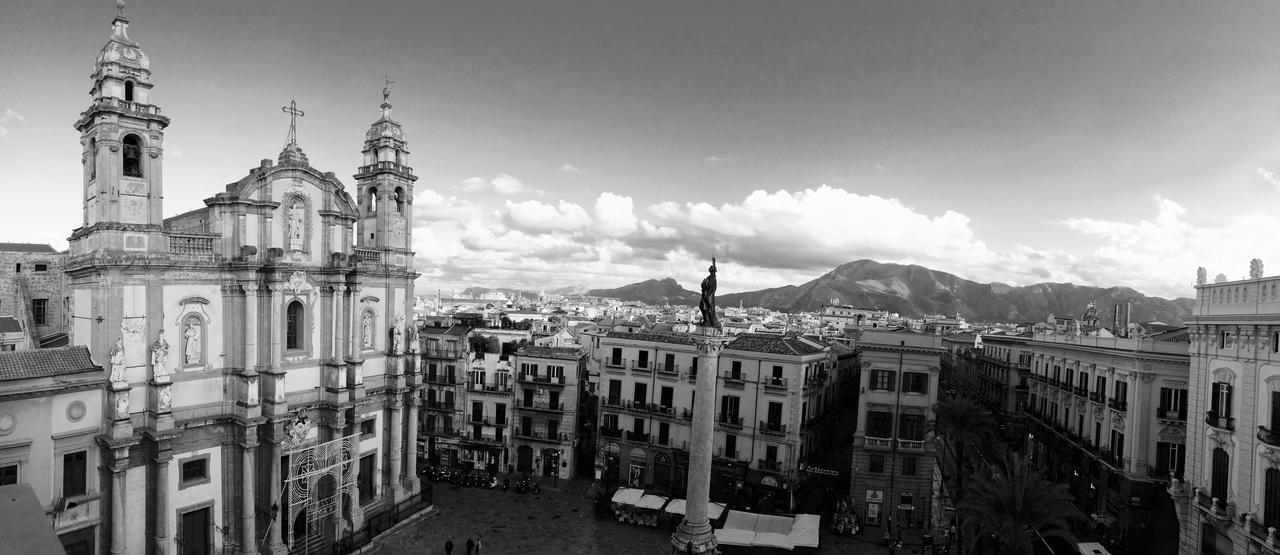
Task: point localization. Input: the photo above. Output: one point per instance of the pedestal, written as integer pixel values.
(695, 535)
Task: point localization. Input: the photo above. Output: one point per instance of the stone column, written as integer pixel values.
(275, 542)
(411, 456)
(160, 497)
(248, 495)
(396, 441)
(695, 529)
(118, 514)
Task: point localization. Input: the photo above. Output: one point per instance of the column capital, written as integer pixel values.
(250, 288)
(339, 288)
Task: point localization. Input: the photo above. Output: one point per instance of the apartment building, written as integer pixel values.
(546, 397)
(995, 371)
(1109, 418)
(444, 351)
(487, 415)
(1230, 501)
(892, 481)
(770, 389)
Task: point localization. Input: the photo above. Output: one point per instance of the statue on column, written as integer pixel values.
(117, 362)
(1201, 275)
(708, 303)
(397, 339)
(412, 337)
(159, 353)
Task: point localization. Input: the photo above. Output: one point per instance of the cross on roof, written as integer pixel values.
(294, 112)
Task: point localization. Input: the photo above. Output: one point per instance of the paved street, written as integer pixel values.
(559, 522)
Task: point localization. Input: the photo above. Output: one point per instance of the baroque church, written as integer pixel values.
(262, 391)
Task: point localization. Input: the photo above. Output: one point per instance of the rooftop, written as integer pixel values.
(653, 337)
(9, 324)
(38, 363)
(774, 344)
(563, 353)
(27, 247)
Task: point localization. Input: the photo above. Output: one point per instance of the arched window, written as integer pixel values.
(400, 200)
(132, 156)
(128, 91)
(373, 201)
(293, 326)
(92, 159)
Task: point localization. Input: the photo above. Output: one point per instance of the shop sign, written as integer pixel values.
(875, 496)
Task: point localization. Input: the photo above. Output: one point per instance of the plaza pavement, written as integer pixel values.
(555, 522)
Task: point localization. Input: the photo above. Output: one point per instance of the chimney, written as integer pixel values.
(1115, 320)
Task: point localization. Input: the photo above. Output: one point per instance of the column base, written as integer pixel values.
(692, 537)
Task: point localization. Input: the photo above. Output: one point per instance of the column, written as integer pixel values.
(411, 457)
(250, 328)
(275, 542)
(393, 453)
(248, 495)
(160, 497)
(118, 489)
(695, 529)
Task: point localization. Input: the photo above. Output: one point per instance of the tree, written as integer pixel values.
(961, 423)
(1010, 508)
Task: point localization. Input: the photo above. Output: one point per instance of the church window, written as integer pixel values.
(92, 159)
(132, 156)
(293, 329)
(128, 91)
(373, 201)
(400, 200)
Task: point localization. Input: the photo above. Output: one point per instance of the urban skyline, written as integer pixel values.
(574, 144)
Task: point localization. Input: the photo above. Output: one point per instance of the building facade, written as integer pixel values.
(445, 353)
(485, 428)
(1109, 418)
(33, 291)
(260, 394)
(547, 392)
(995, 371)
(51, 414)
(892, 483)
(1230, 500)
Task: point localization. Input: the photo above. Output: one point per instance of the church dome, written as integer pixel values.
(384, 127)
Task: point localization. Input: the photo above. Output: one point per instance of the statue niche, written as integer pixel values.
(295, 233)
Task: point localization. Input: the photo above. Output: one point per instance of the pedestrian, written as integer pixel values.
(478, 540)
(448, 546)
(471, 546)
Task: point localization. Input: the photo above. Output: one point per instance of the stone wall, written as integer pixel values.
(19, 286)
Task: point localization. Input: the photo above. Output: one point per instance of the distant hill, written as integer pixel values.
(510, 293)
(915, 290)
(652, 291)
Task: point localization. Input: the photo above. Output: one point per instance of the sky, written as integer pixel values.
(597, 144)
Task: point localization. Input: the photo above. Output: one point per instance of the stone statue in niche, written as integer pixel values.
(117, 363)
(366, 324)
(192, 350)
(159, 354)
(297, 214)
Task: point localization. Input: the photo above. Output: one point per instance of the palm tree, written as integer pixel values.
(961, 423)
(1011, 508)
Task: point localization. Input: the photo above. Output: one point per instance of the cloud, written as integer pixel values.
(431, 206)
(535, 216)
(615, 215)
(502, 184)
(10, 116)
(716, 159)
(570, 168)
(1270, 176)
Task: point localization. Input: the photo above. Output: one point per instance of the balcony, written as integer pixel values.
(540, 405)
(485, 438)
(497, 390)
(1266, 535)
(1065, 385)
(686, 414)
(1098, 397)
(720, 452)
(693, 375)
(441, 379)
(443, 353)
(772, 428)
(367, 259)
(1221, 422)
(730, 420)
(773, 382)
(544, 380)
(1213, 506)
(611, 432)
(479, 419)
(191, 246)
(613, 402)
(1156, 473)
(1118, 404)
(1268, 436)
(437, 431)
(637, 437)
(911, 445)
(763, 464)
(733, 380)
(1082, 391)
(879, 443)
(667, 370)
(615, 364)
(641, 366)
(533, 435)
(650, 408)
(664, 441)
(1112, 459)
(384, 165)
(439, 405)
(1169, 414)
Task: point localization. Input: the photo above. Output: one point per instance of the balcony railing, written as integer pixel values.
(611, 432)
(879, 443)
(775, 466)
(662, 440)
(642, 366)
(1221, 422)
(613, 402)
(911, 445)
(443, 353)
(1111, 458)
(1264, 534)
(1213, 506)
(669, 369)
(368, 258)
(540, 405)
(441, 379)
(1098, 397)
(485, 438)
(1118, 404)
(1268, 436)
(1082, 391)
(732, 421)
(772, 428)
(686, 414)
(733, 380)
(650, 408)
(1065, 385)
(488, 388)
(615, 363)
(535, 378)
(439, 405)
(638, 437)
(542, 436)
(774, 382)
(1170, 414)
(720, 452)
(191, 247)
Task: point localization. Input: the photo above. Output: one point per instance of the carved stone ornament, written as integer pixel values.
(131, 329)
(1272, 456)
(298, 282)
(122, 405)
(1218, 438)
(1146, 377)
(251, 391)
(1097, 413)
(296, 431)
(1117, 421)
(166, 398)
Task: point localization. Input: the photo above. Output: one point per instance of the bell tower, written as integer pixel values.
(122, 137)
(384, 186)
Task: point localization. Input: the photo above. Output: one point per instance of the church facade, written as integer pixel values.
(262, 389)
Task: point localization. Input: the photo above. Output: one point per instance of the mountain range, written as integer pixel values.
(915, 291)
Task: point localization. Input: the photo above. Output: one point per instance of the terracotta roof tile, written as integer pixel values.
(36, 363)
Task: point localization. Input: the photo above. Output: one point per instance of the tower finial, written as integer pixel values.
(120, 9)
(294, 112)
(386, 96)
